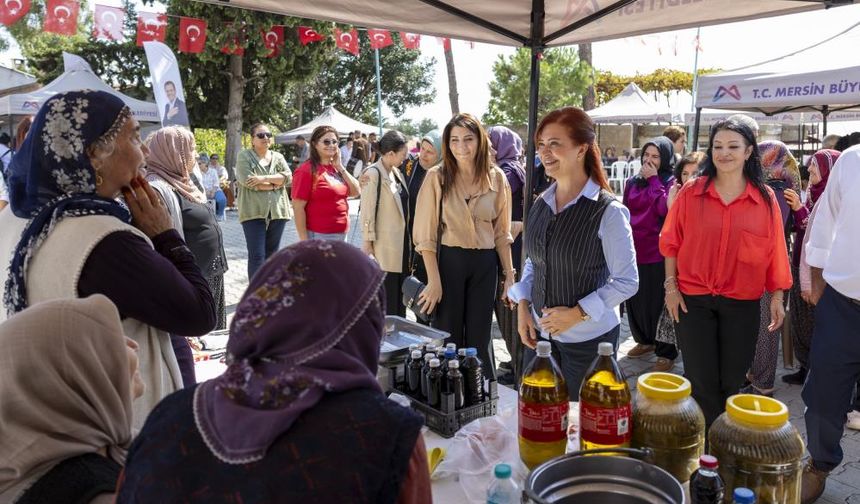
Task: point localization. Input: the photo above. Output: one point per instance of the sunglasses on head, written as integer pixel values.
(329, 142)
(262, 135)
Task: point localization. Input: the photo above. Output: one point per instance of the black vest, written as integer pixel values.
(566, 252)
(76, 480)
(352, 447)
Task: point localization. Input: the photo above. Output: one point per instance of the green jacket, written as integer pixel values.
(254, 204)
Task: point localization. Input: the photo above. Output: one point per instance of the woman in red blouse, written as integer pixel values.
(724, 247)
(321, 186)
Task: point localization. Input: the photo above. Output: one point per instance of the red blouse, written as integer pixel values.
(736, 250)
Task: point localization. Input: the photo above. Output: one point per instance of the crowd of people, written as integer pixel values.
(115, 257)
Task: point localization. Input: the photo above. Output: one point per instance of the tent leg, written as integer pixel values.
(696, 125)
(378, 92)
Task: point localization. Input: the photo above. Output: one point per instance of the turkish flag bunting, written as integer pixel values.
(233, 45)
(61, 17)
(379, 38)
(13, 10)
(274, 40)
(108, 23)
(446, 43)
(308, 35)
(151, 27)
(410, 40)
(192, 35)
(348, 41)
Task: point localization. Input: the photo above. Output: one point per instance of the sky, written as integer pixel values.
(726, 46)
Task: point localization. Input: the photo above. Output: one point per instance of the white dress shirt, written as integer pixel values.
(834, 243)
(616, 238)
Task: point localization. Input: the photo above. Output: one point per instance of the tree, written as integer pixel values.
(404, 125)
(426, 125)
(349, 82)
(453, 95)
(660, 82)
(588, 97)
(563, 81)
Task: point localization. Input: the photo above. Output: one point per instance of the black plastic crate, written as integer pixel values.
(447, 424)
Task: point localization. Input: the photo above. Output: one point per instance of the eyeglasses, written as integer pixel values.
(329, 142)
(263, 135)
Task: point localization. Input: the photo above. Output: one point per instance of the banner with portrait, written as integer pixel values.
(166, 84)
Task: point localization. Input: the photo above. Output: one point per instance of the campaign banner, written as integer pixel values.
(166, 84)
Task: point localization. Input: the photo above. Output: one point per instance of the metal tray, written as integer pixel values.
(400, 333)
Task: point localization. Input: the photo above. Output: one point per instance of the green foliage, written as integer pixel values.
(349, 82)
(426, 125)
(660, 82)
(563, 81)
(211, 141)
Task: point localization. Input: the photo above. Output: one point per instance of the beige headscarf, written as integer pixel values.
(64, 388)
(172, 158)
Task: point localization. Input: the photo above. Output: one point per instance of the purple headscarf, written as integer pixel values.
(310, 322)
(825, 159)
(509, 150)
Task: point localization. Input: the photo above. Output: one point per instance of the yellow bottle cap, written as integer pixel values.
(757, 410)
(663, 386)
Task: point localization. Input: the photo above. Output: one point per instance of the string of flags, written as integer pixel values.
(61, 17)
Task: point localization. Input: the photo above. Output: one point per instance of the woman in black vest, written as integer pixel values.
(580, 263)
(474, 199)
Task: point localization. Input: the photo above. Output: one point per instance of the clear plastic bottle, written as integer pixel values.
(503, 490)
(413, 373)
(744, 496)
(543, 409)
(451, 346)
(706, 486)
(454, 383)
(425, 368)
(412, 348)
(473, 377)
(434, 384)
(461, 354)
(605, 405)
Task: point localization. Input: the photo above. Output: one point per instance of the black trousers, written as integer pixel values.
(468, 296)
(393, 295)
(718, 337)
(644, 308)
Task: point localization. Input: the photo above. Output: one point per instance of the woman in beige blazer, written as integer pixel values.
(384, 214)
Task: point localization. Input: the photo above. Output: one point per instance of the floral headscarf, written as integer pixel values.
(778, 163)
(51, 177)
(302, 329)
(825, 159)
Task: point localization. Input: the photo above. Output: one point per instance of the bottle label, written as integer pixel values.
(543, 423)
(604, 426)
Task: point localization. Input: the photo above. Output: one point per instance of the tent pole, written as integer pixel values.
(378, 92)
(696, 125)
(825, 111)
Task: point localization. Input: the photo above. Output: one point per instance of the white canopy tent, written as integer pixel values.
(71, 80)
(329, 117)
(631, 105)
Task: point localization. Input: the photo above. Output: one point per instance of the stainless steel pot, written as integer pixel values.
(575, 479)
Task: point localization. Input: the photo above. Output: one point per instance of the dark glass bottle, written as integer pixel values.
(434, 384)
(454, 383)
(473, 378)
(413, 372)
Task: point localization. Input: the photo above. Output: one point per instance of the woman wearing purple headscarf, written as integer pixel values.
(298, 415)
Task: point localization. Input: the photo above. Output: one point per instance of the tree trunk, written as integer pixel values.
(453, 96)
(234, 114)
(589, 97)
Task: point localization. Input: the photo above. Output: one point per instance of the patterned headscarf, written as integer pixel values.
(51, 177)
(778, 163)
(825, 159)
(302, 329)
(171, 159)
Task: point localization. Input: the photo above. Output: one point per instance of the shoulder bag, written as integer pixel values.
(412, 286)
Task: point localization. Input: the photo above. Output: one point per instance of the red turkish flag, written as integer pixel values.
(61, 17)
(308, 35)
(13, 10)
(274, 40)
(348, 41)
(108, 23)
(446, 43)
(234, 45)
(410, 40)
(192, 35)
(151, 27)
(379, 38)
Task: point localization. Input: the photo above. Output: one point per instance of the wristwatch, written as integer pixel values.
(583, 316)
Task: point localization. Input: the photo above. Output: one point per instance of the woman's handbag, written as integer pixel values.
(412, 286)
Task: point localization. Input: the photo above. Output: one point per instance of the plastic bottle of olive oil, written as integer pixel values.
(605, 406)
(543, 409)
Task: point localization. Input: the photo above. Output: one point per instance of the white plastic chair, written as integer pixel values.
(634, 167)
(617, 174)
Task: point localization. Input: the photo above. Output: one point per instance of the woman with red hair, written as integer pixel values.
(581, 263)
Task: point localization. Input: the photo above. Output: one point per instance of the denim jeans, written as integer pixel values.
(220, 204)
(312, 235)
(262, 239)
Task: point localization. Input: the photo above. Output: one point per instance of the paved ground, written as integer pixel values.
(843, 485)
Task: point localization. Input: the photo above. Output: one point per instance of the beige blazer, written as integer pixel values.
(387, 228)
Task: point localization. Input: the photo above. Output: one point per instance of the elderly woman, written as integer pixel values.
(67, 237)
(414, 170)
(169, 163)
(304, 414)
(65, 434)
